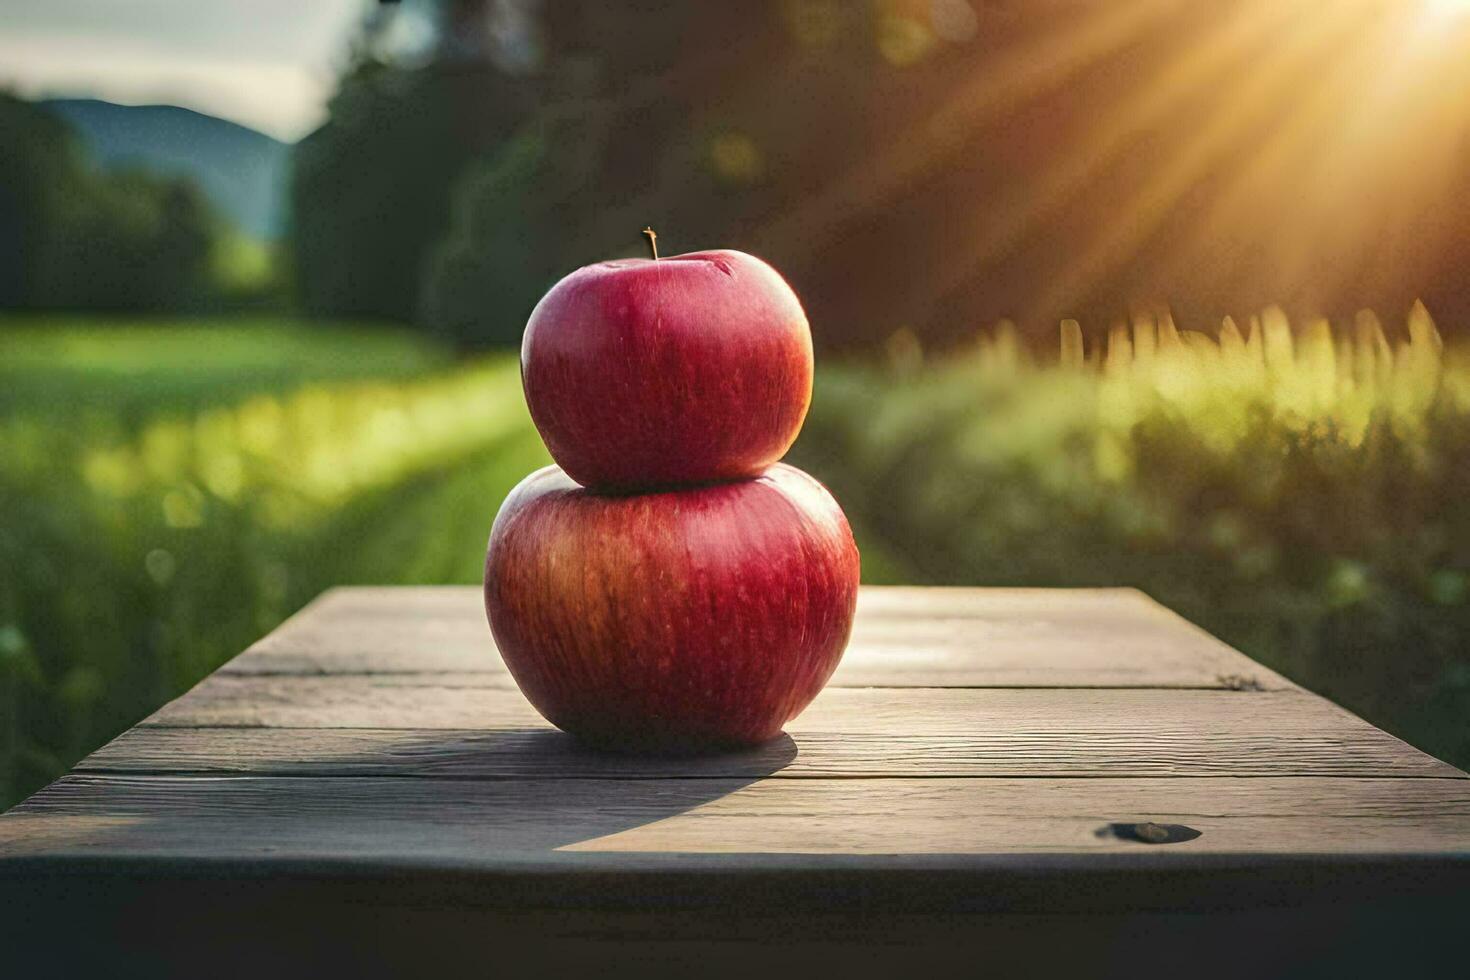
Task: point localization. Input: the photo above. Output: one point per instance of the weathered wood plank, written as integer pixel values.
(903, 637)
(324, 726)
(366, 702)
(494, 822)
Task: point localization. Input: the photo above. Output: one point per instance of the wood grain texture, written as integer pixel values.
(903, 637)
(482, 823)
(321, 726)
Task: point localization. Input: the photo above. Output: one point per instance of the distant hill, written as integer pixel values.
(242, 171)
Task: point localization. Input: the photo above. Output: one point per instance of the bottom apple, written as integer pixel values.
(680, 621)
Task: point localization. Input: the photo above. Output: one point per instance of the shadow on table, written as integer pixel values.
(446, 798)
(537, 789)
(286, 864)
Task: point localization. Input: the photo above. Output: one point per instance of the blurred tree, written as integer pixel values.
(144, 244)
(40, 166)
(456, 176)
(620, 135)
(72, 237)
(715, 123)
(370, 189)
(489, 263)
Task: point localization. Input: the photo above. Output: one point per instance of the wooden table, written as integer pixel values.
(1038, 778)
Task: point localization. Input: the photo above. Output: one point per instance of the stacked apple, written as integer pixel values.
(669, 586)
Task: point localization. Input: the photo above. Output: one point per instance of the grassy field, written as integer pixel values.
(169, 494)
(142, 547)
(1298, 492)
(124, 372)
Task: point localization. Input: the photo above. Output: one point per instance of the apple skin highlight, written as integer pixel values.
(684, 621)
(650, 373)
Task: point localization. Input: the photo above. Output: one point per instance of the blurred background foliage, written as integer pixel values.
(236, 370)
(74, 238)
(1299, 494)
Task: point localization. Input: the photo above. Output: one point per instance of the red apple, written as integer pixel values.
(646, 373)
(678, 621)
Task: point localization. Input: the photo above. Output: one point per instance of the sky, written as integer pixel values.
(268, 64)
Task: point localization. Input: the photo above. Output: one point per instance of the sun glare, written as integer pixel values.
(1435, 17)
(1305, 142)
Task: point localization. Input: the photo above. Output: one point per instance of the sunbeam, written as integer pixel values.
(1194, 156)
(1022, 74)
(1182, 76)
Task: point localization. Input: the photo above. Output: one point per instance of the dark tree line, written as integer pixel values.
(455, 189)
(74, 237)
(935, 165)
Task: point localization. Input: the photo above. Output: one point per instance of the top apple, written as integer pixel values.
(647, 373)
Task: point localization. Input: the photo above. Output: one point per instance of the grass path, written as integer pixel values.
(128, 371)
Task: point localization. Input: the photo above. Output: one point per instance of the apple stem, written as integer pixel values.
(652, 241)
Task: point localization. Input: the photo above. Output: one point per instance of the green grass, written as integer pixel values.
(125, 371)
